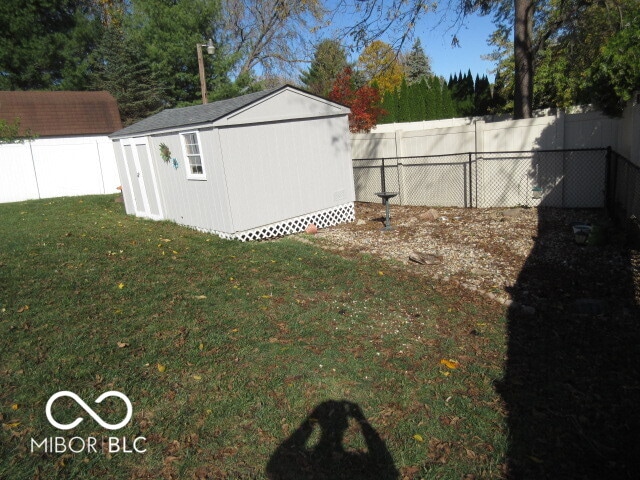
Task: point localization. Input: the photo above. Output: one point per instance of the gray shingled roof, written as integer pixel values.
(196, 115)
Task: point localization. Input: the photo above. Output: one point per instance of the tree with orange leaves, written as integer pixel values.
(363, 101)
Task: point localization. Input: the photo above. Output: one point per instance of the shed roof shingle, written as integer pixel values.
(51, 114)
(195, 115)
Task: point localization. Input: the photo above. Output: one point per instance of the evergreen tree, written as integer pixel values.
(502, 98)
(45, 45)
(390, 106)
(328, 62)
(417, 64)
(169, 32)
(482, 96)
(122, 69)
(448, 108)
(468, 86)
(462, 94)
(455, 88)
(436, 87)
(417, 102)
(429, 100)
(404, 103)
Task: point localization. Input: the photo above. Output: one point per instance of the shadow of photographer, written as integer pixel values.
(328, 458)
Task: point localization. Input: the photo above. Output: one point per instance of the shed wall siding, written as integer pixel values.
(126, 194)
(284, 105)
(197, 203)
(277, 171)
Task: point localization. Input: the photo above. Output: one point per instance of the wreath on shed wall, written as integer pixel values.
(165, 153)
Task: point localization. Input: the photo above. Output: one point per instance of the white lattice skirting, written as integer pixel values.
(321, 219)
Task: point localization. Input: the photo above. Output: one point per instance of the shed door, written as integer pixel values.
(141, 178)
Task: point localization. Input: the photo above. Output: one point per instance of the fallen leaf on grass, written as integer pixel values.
(23, 309)
(200, 297)
(450, 363)
(418, 438)
(197, 377)
(409, 472)
(15, 406)
(10, 425)
(161, 368)
(122, 345)
(121, 285)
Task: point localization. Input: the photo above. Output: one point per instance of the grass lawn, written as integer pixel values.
(232, 352)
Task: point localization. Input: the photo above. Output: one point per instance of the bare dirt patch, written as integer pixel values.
(486, 249)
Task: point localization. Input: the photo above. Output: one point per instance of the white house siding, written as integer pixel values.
(276, 171)
(57, 167)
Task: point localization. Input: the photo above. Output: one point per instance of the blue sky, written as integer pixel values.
(436, 30)
(447, 60)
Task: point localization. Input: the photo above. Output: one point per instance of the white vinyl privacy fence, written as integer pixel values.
(57, 167)
(555, 160)
(555, 178)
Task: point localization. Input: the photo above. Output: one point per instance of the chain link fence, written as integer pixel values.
(555, 178)
(374, 175)
(623, 192)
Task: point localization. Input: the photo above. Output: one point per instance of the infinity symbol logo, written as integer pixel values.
(89, 410)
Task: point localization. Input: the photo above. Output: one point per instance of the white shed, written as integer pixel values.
(257, 166)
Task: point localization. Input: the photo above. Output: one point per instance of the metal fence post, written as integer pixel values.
(609, 193)
(470, 181)
(383, 182)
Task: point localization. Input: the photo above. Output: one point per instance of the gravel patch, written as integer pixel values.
(487, 250)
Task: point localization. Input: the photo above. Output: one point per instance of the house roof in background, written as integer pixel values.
(56, 114)
(195, 115)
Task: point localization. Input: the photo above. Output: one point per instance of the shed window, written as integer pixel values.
(191, 145)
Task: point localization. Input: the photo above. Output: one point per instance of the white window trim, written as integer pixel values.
(185, 154)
